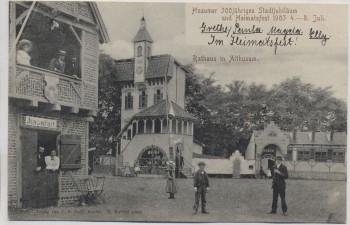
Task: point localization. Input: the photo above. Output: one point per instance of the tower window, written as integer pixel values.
(139, 51)
(158, 96)
(143, 100)
(128, 101)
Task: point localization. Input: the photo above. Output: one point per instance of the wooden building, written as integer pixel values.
(51, 103)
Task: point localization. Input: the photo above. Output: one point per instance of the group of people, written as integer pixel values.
(49, 162)
(57, 63)
(201, 185)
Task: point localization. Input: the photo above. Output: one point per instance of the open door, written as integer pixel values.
(39, 188)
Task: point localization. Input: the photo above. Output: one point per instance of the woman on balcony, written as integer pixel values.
(24, 47)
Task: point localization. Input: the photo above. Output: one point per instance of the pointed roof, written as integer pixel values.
(142, 34)
(159, 110)
(104, 37)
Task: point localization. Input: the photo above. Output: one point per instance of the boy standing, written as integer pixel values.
(201, 186)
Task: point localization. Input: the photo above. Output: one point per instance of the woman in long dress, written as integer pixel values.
(171, 186)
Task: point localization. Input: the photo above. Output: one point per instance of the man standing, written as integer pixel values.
(40, 160)
(279, 186)
(201, 186)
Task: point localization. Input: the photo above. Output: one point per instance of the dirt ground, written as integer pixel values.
(229, 200)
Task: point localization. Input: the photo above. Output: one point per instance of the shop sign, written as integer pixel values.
(40, 122)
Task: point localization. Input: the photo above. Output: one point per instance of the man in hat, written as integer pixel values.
(58, 64)
(73, 68)
(279, 185)
(201, 186)
(23, 48)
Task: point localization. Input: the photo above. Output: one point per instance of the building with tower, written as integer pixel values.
(155, 125)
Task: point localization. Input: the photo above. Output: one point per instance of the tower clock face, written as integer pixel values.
(139, 70)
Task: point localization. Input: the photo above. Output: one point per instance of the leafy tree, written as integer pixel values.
(107, 122)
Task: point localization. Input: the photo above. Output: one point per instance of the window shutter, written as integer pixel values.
(131, 102)
(70, 155)
(140, 101)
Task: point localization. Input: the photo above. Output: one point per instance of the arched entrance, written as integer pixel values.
(152, 159)
(267, 159)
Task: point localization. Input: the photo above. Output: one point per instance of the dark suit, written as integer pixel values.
(279, 187)
(201, 182)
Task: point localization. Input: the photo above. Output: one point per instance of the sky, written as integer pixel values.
(166, 22)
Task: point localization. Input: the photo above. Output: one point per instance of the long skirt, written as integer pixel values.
(171, 186)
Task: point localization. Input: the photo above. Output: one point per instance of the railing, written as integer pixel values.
(30, 82)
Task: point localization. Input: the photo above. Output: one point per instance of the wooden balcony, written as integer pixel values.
(41, 85)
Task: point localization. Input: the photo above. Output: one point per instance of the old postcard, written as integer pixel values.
(177, 111)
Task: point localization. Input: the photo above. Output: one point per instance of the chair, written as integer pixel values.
(92, 189)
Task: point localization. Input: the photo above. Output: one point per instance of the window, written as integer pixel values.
(139, 51)
(289, 153)
(329, 155)
(320, 156)
(303, 155)
(143, 100)
(338, 157)
(48, 43)
(158, 96)
(128, 101)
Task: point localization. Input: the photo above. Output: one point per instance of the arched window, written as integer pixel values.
(139, 51)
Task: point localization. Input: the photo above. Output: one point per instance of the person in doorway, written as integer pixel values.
(171, 186)
(201, 186)
(279, 186)
(40, 160)
(52, 161)
(58, 64)
(23, 48)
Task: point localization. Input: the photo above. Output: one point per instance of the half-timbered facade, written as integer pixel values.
(52, 96)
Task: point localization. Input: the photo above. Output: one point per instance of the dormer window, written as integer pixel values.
(139, 51)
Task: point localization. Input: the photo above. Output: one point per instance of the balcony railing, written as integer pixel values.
(30, 82)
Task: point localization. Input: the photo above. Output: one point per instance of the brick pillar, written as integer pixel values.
(152, 126)
(144, 126)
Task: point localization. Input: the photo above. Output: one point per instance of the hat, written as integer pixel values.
(170, 163)
(201, 163)
(24, 42)
(278, 157)
(61, 52)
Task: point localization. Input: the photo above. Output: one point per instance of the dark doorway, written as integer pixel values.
(39, 188)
